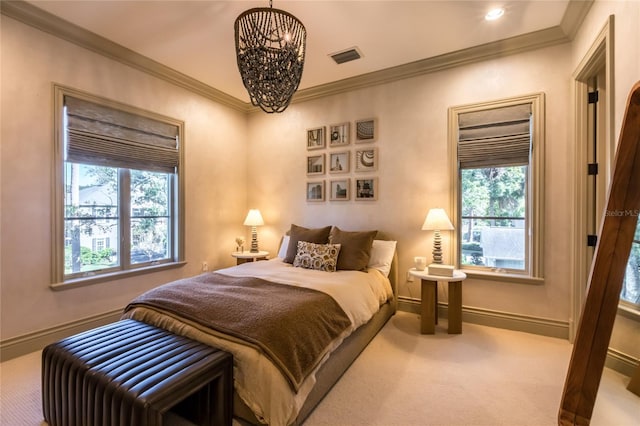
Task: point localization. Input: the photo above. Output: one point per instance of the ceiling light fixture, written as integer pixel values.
(270, 47)
(494, 14)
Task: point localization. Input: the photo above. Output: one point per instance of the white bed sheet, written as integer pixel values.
(258, 382)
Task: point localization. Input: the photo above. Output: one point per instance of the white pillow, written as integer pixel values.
(282, 253)
(382, 255)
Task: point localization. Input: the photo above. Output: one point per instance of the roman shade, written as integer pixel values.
(495, 137)
(105, 136)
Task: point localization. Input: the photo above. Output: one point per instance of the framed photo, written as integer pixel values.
(339, 162)
(315, 164)
(316, 138)
(366, 130)
(366, 189)
(339, 134)
(339, 190)
(315, 191)
(366, 160)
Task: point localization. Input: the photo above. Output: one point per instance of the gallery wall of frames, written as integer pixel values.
(342, 161)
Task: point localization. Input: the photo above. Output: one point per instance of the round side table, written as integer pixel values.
(429, 302)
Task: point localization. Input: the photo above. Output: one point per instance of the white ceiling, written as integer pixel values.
(196, 37)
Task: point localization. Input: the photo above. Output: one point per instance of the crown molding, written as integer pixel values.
(42, 20)
(49, 23)
(501, 48)
(574, 15)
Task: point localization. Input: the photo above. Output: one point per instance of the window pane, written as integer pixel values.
(91, 218)
(150, 222)
(631, 286)
(493, 226)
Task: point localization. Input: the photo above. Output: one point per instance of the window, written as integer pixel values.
(498, 162)
(631, 287)
(118, 205)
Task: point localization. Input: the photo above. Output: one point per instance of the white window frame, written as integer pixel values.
(535, 191)
(58, 241)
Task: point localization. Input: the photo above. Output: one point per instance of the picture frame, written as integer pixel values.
(315, 191)
(339, 134)
(339, 162)
(315, 164)
(366, 160)
(316, 138)
(366, 189)
(339, 190)
(366, 130)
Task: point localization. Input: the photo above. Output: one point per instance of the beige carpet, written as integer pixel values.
(485, 376)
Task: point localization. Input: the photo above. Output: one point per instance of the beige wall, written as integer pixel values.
(626, 72)
(215, 147)
(235, 162)
(414, 172)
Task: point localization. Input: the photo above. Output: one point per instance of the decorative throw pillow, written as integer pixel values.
(322, 257)
(355, 248)
(299, 233)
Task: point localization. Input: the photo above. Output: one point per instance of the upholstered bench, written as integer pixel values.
(131, 373)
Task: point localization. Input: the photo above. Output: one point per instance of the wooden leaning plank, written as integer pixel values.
(607, 274)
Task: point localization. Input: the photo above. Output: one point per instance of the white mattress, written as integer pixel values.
(258, 382)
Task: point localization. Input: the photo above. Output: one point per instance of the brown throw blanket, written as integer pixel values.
(292, 326)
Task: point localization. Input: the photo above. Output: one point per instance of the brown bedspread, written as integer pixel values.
(292, 326)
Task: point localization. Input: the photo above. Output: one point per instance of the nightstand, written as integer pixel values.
(247, 256)
(429, 303)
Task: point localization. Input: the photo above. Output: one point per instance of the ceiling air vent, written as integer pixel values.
(346, 55)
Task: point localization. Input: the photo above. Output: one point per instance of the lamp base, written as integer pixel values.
(254, 240)
(441, 270)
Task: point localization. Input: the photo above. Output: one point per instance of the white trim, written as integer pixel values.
(37, 340)
(498, 319)
(602, 50)
(616, 360)
(535, 205)
(49, 23)
(621, 362)
(177, 238)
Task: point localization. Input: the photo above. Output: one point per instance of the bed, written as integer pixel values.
(269, 386)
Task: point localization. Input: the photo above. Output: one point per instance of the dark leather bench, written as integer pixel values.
(130, 373)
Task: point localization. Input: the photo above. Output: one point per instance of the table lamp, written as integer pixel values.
(437, 220)
(254, 219)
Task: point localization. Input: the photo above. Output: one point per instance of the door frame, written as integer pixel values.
(599, 55)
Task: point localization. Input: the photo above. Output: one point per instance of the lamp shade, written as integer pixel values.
(254, 218)
(437, 220)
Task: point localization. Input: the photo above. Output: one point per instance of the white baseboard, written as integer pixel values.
(498, 319)
(616, 360)
(31, 342)
(621, 362)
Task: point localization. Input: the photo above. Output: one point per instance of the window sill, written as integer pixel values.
(85, 281)
(510, 278)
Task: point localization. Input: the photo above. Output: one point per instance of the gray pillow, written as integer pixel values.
(355, 248)
(299, 233)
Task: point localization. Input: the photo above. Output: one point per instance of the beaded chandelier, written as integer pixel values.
(270, 47)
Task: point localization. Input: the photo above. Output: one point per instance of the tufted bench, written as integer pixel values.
(131, 373)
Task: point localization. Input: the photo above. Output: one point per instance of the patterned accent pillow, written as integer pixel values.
(322, 257)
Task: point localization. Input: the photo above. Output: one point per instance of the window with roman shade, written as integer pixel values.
(119, 173)
(498, 160)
